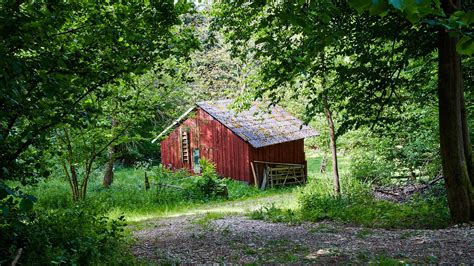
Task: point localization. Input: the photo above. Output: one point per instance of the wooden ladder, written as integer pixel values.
(185, 147)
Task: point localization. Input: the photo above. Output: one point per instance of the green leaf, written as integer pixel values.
(465, 46)
(360, 5)
(3, 193)
(26, 204)
(5, 211)
(467, 18)
(378, 7)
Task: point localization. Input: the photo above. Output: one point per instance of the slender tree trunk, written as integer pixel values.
(109, 167)
(147, 182)
(322, 167)
(452, 134)
(332, 137)
(332, 132)
(468, 153)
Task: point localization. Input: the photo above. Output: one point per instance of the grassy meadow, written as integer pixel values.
(127, 195)
(105, 212)
(314, 201)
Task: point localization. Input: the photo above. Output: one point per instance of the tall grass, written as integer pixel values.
(356, 204)
(316, 201)
(127, 195)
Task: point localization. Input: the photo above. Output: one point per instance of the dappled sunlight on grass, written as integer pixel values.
(287, 200)
(127, 196)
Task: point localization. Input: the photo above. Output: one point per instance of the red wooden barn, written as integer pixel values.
(251, 146)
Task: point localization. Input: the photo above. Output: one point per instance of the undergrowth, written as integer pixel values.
(356, 205)
(75, 236)
(60, 231)
(127, 195)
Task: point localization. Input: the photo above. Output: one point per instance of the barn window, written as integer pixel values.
(185, 147)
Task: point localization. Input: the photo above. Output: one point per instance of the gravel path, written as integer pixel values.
(237, 239)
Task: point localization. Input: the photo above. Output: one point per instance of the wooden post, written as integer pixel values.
(305, 171)
(257, 173)
(254, 175)
(265, 176)
(147, 182)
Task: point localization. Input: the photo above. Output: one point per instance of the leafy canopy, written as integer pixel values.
(56, 54)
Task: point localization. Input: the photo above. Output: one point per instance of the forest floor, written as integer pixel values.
(221, 233)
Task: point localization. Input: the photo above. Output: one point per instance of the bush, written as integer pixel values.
(359, 207)
(15, 218)
(377, 158)
(76, 236)
(208, 183)
(72, 236)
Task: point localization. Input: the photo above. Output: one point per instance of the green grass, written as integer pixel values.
(316, 202)
(274, 214)
(206, 219)
(313, 202)
(127, 195)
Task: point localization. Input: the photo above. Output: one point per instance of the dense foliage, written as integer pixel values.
(75, 235)
(57, 57)
(368, 71)
(359, 207)
(86, 86)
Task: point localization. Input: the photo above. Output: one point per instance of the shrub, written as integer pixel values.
(76, 236)
(359, 207)
(208, 183)
(16, 215)
(401, 153)
(72, 236)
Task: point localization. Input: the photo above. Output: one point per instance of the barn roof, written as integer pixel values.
(257, 127)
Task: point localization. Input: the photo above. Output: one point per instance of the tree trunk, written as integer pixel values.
(332, 137)
(109, 167)
(322, 167)
(452, 138)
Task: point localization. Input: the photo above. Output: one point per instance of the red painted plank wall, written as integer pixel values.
(221, 146)
(229, 152)
(215, 143)
(171, 146)
(287, 152)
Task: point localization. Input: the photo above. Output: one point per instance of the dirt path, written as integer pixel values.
(214, 238)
